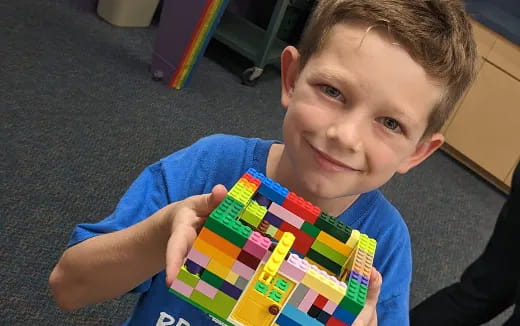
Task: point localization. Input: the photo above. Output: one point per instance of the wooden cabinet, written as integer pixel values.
(509, 178)
(484, 131)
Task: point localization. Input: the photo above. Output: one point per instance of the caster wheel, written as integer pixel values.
(157, 75)
(251, 75)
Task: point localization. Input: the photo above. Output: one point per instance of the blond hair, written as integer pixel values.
(437, 34)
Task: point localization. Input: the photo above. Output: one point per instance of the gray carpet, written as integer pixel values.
(81, 118)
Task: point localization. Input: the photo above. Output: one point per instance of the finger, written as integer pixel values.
(368, 316)
(179, 243)
(204, 204)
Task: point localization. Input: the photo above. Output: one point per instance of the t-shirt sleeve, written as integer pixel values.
(146, 195)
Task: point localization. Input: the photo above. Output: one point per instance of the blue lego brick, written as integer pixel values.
(273, 191)
(297, 316)
(344, 315)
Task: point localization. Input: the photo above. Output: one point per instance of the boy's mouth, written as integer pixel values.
(329, 163)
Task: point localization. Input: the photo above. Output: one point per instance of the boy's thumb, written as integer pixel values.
(210, 201)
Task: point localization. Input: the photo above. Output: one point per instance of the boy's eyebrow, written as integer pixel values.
(345, 80)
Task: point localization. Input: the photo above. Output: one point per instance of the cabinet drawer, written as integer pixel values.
(506, 55)
(509, 178)
(485, 128)
(484, 38)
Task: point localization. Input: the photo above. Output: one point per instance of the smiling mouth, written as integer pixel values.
(329, 163)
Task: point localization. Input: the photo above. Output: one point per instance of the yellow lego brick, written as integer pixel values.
(367, 244)
(218, 269)
(312, 262)
(334, 243)
(231, 277)
(254, 213)
(242, 191)
(353, 240)
(277, 257)
(325, 285)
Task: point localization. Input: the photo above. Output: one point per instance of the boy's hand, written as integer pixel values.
(186, 220)
(368, 315)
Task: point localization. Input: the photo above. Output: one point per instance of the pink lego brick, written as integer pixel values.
(198, 257)
(286, 215)
(206, 289)
(182, 288)
(243, 270)
(294, 267)
(329, 307)
(257, 245)
(307, 301)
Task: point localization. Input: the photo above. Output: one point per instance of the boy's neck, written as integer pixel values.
(278, 169)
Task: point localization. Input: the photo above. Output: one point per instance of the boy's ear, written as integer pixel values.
(424, 149)
(290, 61)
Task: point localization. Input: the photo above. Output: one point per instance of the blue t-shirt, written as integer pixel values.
(222, 159)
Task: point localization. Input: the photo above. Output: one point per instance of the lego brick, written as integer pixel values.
(344, 315)
(274, 262)
(271, 231)
(360, 262)
(231, 277)
(286, 215)
(206, 289)
(252, 179)
(324, 284)
(275, 296)
(353, 239)
(253, 213)
(231, 290)
(297, 295)
(182, 288)
(221, 305)
(198, 257)
(281, 285)
(323, 317)
(211, 279)
(355, 297)
(303, 241)
(257, 245)
(242, 191)
(324, 261)
(219, 242)
(210, 251)
(310, 229)
(284, 320)
(248, 259)
(333, 321)
(360, 278)
(330, 306)
(218, 269)
(273, 191)
(294, 267)
(301, 207)
(278, 234)
(334, 243)
(186, 277)
(301, 318)
(313, 311)
(329, 252)
(241, 283)
(193, 267)
(273, 219)
(229, 207)
(261, 287)
(243, 270)
(262, 200)
(228, 227)
(367, 244)
(320, 301)
(335, 228)
(307, 301)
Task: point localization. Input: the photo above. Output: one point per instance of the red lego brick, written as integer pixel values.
(335, 322)
(301, 207)
(252, 179)
(320, 301)
(303, 241)
(248, 259)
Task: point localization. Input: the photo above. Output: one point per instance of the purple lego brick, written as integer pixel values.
(359, 278)
(193, 267)
(273, 220)
(262, 200)
(230, 290)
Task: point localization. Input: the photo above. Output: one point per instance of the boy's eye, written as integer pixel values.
(391, 124)
(330, 91)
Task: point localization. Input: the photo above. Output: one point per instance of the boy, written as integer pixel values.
(366, 94)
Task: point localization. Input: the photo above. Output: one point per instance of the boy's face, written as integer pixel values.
(356, 113)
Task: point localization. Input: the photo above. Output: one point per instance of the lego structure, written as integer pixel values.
(265, 256)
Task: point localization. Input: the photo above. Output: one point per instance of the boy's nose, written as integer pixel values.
(347, 132)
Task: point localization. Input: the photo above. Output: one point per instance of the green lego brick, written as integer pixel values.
(261, 287)
(275, 296)
(188, 277)
(221, 305)
(228, 227)
(223, 320)
(333, 227)
(328, 252)
(355, 297)
(367, 244)
(324, 261)
(281, 284)
(211, 279)
(254, 213)
(310, 229)
(230, 205)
